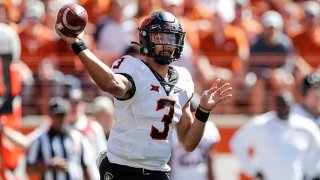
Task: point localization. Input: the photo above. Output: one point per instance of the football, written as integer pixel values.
(71, 19)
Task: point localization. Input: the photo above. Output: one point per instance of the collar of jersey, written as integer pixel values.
(172, 80)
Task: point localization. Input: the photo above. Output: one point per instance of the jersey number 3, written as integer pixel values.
(156, 134)
(116, 66)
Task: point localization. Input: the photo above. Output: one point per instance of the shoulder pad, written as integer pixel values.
(127, 65)
(185, 78)
(183, 72)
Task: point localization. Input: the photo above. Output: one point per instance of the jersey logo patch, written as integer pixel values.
(108, 176)
(154, 88)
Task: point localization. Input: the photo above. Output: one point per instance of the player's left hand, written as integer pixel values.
(216, 94)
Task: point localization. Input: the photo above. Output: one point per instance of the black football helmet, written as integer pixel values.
(161, 23)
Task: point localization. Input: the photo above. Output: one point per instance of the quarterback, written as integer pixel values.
(151, 99)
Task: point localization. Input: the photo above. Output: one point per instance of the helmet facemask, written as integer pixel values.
(165, 46)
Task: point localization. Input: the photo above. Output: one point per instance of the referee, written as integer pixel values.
(58, 153)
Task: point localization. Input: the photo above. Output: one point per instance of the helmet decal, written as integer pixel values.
(147, 21)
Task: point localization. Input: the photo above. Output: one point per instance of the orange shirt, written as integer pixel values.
(10, 154)
(225, 53)
(198, 12)
(95, 8)
(308, 46)
(251, 27)
(64, 58)
(12, 10)
(191, 33)
(36, 45)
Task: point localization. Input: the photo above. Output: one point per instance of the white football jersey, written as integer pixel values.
(142, 134)
(193, 165)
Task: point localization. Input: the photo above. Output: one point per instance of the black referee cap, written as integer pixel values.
(310, 81)
(58, 106)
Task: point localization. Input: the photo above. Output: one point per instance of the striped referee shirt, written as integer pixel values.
(68, 145)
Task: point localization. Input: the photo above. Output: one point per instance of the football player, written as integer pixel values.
(151, 99)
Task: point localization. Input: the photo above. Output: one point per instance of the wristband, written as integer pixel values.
(79, 46)
(202, 116)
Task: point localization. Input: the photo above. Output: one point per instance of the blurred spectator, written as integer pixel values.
(116, 26)
(271, 59)
(37, 39)
(196, 11)
(50, 15)
(227, 48)
(78, 120)
(51, 83)
(191, 47)
(10, 99)
(310, 108)
(11, 44)
(19, 143)
(292, 17)
(103, 112)
(18, 138)
(197, 164)
(244, 19)
(14, 136)
(11, 153)
(282, 143)
(307, 42)
(59, 153)
(10, 51)
(96, 8)
(64, 60)
(144, 8)
(259, 7)
(9, 14)
(271, 43)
